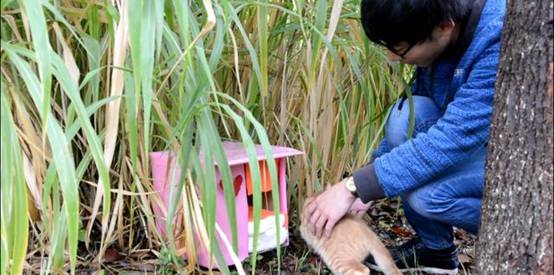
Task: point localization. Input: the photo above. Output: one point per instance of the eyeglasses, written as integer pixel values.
(391, 48)
(401, 54)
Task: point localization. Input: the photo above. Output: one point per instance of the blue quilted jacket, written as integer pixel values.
(465, 87)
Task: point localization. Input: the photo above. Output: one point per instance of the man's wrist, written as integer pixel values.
(351, 196)
(350, 186)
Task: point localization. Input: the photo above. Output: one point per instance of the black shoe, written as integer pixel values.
(414, 256)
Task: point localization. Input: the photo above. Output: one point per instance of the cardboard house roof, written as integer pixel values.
(236, 153)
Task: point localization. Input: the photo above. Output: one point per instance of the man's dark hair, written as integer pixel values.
(389, 22)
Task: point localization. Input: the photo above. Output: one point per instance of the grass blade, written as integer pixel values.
(61, 155)
(13, 232)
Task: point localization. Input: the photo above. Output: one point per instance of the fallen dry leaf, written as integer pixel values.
(401, 231)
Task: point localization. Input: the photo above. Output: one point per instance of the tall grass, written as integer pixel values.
(89, 88)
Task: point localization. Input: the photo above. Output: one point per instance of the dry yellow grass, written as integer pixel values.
(93, 86)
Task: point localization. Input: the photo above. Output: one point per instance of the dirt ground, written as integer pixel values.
(386, 218)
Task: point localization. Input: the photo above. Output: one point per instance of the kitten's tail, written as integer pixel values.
(383, 258)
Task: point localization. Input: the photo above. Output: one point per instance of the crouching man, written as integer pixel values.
(439, 171)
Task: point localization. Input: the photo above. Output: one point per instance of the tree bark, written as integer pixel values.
(517, 221)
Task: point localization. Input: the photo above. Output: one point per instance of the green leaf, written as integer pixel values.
(62, 157)
(14, 230)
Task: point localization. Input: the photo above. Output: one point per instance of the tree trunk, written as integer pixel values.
(517, 220)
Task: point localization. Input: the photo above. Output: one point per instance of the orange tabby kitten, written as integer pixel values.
(351, 241)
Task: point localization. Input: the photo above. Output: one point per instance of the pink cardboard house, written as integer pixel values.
(238, 161)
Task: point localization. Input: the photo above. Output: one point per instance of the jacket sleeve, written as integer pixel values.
(462, 130)
(381, 150)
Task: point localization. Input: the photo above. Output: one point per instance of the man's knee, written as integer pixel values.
(427, 203)
(396, 128)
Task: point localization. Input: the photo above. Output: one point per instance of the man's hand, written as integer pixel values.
(328, 208)
(358, 208)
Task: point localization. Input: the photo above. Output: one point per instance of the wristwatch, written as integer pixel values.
(350, 186)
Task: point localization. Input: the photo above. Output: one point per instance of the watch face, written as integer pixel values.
(350, 185)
